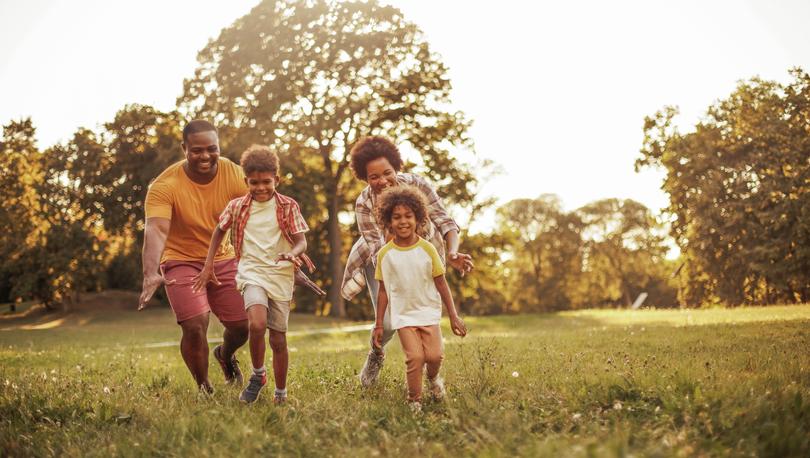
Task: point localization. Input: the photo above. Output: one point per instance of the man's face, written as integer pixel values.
(202, 152)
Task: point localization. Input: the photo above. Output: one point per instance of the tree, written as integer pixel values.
(310, 77)
(546, 250)
(19, 172)
(739, 188)
(624, 254)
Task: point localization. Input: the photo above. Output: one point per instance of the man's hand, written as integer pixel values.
(290, 257)
(205, 276)
(377, 336)
(151, 282)
(301, 279)
(458, 326)
(462, 262)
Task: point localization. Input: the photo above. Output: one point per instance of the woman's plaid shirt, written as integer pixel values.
(372, 236)
(236, 214)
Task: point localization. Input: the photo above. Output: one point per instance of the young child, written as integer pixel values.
(412, 283)
(267, 231)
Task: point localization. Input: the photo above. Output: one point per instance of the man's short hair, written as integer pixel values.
(197, 126)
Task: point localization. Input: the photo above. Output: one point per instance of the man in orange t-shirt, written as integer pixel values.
(182, 209)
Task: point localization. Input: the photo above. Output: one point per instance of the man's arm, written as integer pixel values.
(154, 241)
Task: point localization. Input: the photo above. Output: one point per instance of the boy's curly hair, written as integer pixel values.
(259, 158)
(370, 148)
(404, 195)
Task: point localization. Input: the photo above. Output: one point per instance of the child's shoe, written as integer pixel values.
(415, 406)
(255, 385)
(436, 387)
(280, 397)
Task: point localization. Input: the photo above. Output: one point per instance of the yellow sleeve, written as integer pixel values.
(378, 275)
(438, 267)
(159, 200)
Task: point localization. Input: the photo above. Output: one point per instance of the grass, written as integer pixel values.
(590, 383)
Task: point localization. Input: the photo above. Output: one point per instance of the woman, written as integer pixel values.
(376, 160)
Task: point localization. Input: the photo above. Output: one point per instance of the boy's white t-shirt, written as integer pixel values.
(408, 274)
(262, 244)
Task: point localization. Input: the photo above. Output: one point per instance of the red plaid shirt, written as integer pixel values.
(236, 214)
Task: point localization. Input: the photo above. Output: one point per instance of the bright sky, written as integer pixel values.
(558, 90)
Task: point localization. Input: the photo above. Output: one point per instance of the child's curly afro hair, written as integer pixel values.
(407, 196)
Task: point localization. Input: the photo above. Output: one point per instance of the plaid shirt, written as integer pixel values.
(372, 235)
(236, 214)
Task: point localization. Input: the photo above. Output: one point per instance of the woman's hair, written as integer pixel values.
(370, 148)
(404, 195)
(259, 158)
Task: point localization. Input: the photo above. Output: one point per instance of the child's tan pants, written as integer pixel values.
(422, 346)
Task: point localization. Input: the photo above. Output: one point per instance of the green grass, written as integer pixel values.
(605, 383)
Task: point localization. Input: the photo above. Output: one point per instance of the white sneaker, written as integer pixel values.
(415, 406)
(436, 387)
(371, 369)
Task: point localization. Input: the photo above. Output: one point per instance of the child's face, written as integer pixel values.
(403, 222)
(262, 185)
(380, 174)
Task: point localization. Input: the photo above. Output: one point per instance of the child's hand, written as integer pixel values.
(457, 324)
(289, 257)
(377, 336)
(206, 275)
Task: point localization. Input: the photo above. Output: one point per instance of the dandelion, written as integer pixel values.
(617, 405)
(515, 374)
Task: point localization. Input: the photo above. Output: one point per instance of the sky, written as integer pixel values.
(557, 91)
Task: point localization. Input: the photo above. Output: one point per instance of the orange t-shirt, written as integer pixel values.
(193, 209)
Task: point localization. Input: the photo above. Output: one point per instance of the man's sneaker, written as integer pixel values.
(436, 387)
(233, 375)
(255, 385)
(371, 369)
(206, 389)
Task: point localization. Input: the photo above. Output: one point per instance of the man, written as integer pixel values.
(182, 208)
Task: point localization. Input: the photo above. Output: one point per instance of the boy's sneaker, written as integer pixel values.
(436, 387)
(255, 385)
(371, 369)
(233, 375)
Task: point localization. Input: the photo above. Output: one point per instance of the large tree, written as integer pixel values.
(310, 77)
(739, 186)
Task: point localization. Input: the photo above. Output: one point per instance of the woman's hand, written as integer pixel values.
(462, 262)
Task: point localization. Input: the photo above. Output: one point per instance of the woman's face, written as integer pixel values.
(380, 174)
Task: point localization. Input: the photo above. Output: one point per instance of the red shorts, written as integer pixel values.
(224, 300)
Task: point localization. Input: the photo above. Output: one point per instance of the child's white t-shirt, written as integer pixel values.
(408, 274)
(262, 244)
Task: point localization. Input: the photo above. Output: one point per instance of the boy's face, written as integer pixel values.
(202, 152)
(403, 222)
(380, 174)
(262, 185)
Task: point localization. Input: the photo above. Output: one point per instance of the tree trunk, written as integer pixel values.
(337, 306)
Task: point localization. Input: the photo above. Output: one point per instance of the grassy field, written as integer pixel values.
(590, 383)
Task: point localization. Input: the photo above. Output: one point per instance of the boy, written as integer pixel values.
(412, 283)
(267, 231)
